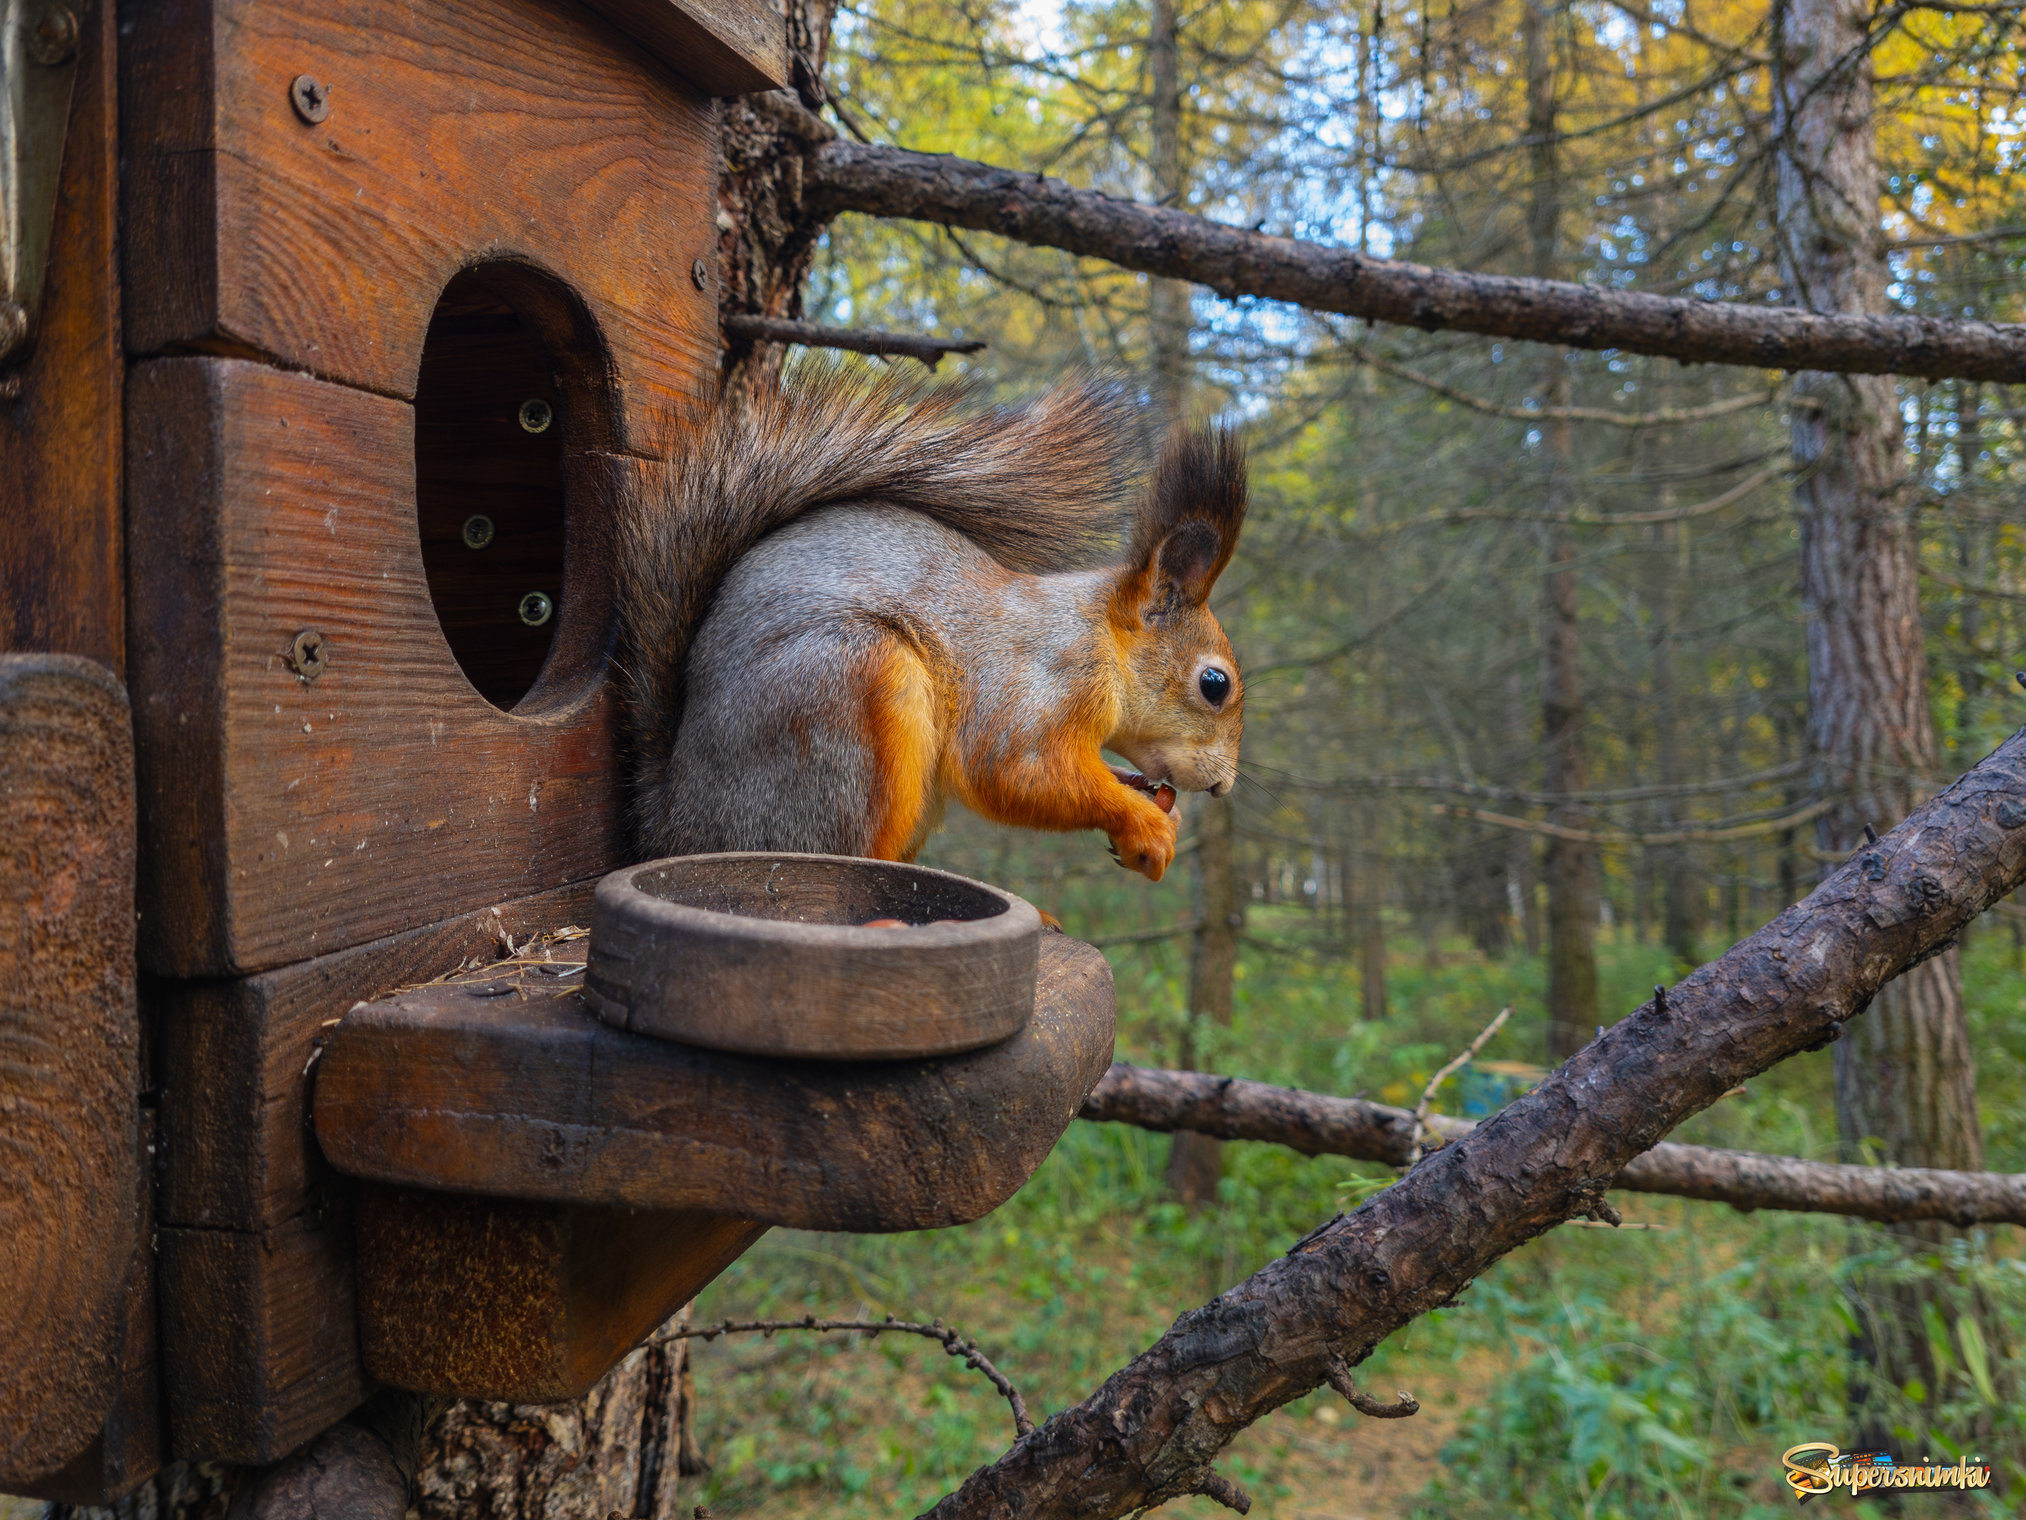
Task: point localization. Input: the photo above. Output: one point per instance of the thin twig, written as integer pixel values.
(952, 1343)
(1665, 417)
(1428, 1093)
(1691, 835)
(860, 340)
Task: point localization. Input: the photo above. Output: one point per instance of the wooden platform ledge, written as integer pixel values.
(507, 1085)
(544, 1189)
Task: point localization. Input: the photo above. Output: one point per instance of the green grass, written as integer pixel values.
(1594, 1372)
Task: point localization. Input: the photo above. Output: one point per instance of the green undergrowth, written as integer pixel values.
(1651, 1372)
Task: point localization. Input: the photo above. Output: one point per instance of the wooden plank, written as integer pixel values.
(520, 1092)
(524, 1302)
(525, 131)
(249, 1250)
(61, 585)
(286, 818)
(728, 47)
(260, 1343)
(69, 1053)
(237, 1060)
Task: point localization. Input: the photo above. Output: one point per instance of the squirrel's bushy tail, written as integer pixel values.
(1043, 487)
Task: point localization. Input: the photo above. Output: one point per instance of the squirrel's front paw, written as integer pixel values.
(1147, 843)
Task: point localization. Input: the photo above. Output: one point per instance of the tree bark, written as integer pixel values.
(1906, 1081)
(1234, 262)
(767, 229)
(1196, 1160)
(1569, 866)
(617, 1451)
(1152, 1432)
(1319, 1125)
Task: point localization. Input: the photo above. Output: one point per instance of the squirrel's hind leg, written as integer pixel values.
(904, 736)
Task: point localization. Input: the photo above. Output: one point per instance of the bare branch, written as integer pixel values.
(1664, 417)
(1153, 1430)
(1316, 1124)
(1435, 1082)
(1691, 835)
(952, 1343)
(892, 182)
(861, 340)
(1550, 799)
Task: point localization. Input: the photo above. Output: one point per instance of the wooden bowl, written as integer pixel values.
(769, 955)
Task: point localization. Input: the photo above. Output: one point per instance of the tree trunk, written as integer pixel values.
(767, 233)
(618, 1451)
(1168, 301)
(1196, 1162)
(1681, 883)
(1905, 1078)
(1368, 915)
(1570, 866)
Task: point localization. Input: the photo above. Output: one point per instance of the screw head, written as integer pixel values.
(312, 99)
(309, 655)
(478, 531)
(537, 609)
(700, 275)
(52, 35)
(536, 415)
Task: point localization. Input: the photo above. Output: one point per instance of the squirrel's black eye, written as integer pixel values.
(1215, 686)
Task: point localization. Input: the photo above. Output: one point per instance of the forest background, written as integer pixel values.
(1527, 723)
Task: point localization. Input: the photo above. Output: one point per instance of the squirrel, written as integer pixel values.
(852, 600)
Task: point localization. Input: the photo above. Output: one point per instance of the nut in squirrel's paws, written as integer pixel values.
(1146, 844)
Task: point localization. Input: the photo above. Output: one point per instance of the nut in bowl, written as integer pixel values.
(815, 957)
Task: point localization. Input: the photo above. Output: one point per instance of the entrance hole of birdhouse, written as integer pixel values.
(511, 393)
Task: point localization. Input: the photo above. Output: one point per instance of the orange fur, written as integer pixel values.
(904, 739)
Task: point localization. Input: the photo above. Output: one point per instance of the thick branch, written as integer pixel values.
(1318, 1125)
(1234, 262)
(1151, 1432)
(860, 340)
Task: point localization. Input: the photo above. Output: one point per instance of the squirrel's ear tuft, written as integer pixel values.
(1188, 523)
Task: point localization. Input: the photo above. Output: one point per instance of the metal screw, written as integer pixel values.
(700, 275)
(52, 37)
(478, 531)
(309, 655)
(536, 415)
(312, 100)
(536, 609)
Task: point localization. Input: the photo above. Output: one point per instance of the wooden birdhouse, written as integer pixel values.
(331, 327)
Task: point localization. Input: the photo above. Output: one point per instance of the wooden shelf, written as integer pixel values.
(505, 1084)
(544, 1189)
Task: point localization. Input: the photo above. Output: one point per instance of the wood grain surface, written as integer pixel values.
(285, 818)
(511, 1088)
(727, 47)
(61, 577)
(769, 955)
(129, 1447)
(70, 1178)
(247, 1198)
(524, 1302)
(260, 1338)
(523, 131)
